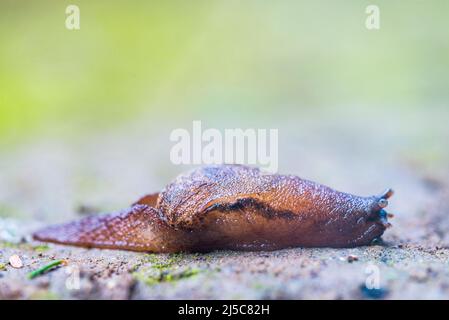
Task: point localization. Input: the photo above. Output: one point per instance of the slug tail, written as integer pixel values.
(137, 228)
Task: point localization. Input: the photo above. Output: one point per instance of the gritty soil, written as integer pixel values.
(51, 182)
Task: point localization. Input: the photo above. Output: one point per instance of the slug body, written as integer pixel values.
(232, 207)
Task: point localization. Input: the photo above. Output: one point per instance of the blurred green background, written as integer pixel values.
(169, 60)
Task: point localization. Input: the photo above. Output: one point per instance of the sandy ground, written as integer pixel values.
(51, 181)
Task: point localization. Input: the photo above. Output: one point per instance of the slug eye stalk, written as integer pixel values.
(379, 210)
(387, 194)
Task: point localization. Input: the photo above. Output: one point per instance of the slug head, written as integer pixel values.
(376, 221)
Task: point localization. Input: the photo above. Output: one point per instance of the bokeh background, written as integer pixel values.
(85, 119)
(85, 115)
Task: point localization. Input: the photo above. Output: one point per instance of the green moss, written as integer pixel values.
(24, 246)
(258, 286)
(154, 276)
(164, 269)
(41, 248)
(190, 272)
(158, 262)
(44, 295)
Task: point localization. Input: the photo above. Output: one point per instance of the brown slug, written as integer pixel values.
(232, 207)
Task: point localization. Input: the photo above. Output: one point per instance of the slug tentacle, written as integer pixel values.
(233, 207)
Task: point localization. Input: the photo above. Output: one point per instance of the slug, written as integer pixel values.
(232, 207)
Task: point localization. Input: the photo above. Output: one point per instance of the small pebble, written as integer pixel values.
(111, 284)
(15, 261)
(352, 258)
